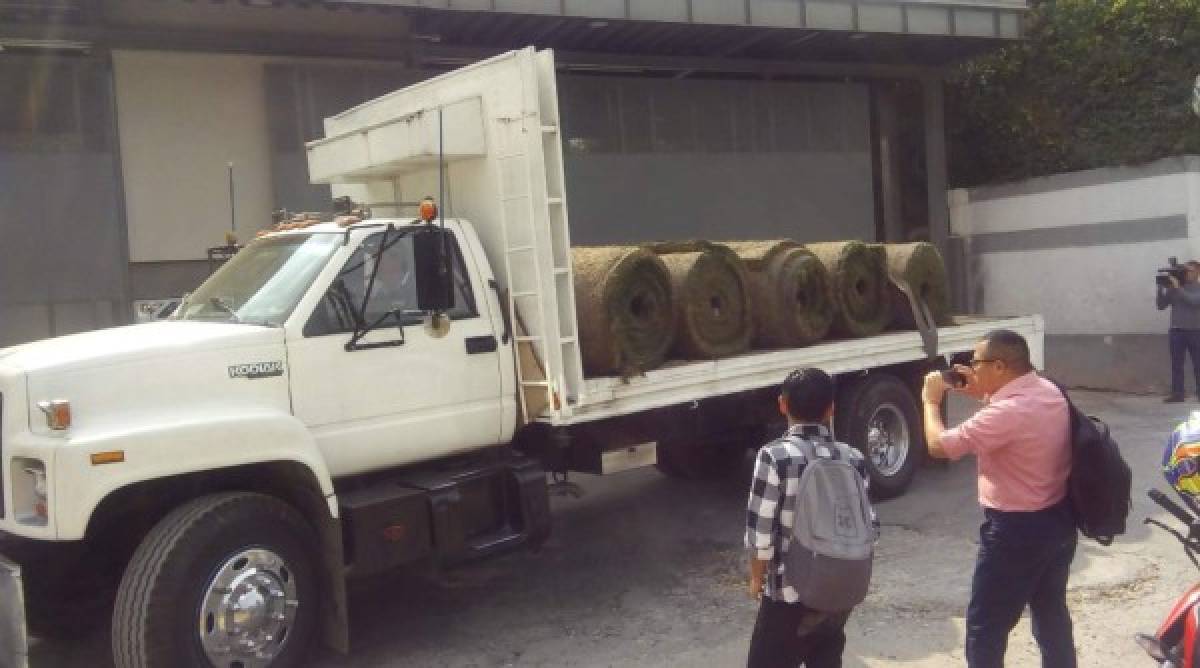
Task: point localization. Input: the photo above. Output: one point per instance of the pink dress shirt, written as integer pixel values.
(1021, 440)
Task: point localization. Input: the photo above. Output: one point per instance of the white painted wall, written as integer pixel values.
(182, 118)
(1089, 288)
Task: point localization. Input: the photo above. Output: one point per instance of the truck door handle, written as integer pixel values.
(481, 344)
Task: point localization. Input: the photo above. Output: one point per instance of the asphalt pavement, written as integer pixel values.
(648, 571)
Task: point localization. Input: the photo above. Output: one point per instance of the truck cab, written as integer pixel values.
(310, 365)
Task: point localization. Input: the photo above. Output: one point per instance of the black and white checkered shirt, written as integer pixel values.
(769, 515)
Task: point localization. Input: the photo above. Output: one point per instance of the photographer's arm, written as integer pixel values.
(932, 396)
(934, 428)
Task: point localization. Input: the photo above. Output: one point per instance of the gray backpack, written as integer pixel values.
(828, 561)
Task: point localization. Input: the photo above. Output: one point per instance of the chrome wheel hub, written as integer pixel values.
(887, 439)
(248, 609)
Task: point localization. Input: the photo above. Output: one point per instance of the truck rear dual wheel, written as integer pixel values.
(878, 414)
(226, 580)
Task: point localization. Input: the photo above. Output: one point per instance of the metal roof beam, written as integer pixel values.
(449, 55)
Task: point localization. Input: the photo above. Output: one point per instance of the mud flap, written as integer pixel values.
(14, 641)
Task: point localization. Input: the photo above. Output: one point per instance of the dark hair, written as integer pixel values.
(809, 394)
(1007, 345)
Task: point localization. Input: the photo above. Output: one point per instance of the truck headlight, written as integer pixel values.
(30, 491)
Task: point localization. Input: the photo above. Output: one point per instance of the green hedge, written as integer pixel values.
(1095, 84)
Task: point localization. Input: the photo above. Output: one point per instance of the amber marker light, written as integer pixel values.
(428, 210)
(110, 457)
(58, 414)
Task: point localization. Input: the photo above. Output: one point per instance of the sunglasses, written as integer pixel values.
(975, 363)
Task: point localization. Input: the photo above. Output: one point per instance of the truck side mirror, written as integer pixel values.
(431, 257)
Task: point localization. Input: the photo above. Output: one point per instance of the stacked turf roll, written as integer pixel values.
(712, 299)
(625, 307)
(858, 285)
(920, 266)
(789, 290)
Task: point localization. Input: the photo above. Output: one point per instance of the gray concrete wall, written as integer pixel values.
(63, 255)
(1082, 249)
(1126, 362)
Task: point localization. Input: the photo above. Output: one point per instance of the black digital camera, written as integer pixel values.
(954, 378)
(1173, 268)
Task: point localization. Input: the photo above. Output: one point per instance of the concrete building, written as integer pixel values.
(122, 122)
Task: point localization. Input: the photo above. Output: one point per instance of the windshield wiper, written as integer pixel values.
(223, 304)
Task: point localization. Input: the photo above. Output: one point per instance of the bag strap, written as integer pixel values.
(1074, 415)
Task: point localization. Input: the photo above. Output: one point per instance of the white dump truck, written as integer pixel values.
(344, 399)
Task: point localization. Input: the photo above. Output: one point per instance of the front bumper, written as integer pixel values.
(14, 637)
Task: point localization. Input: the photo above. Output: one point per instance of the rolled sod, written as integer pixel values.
(789, 292)
(711, 298)
(921, 266)
(859, 286)
(625, 308)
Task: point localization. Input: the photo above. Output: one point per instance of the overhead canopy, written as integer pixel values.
(898, 32)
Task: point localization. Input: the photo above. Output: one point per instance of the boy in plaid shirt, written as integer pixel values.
(788, 634)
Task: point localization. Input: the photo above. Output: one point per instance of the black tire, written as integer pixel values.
(156, 620)
(888, 401)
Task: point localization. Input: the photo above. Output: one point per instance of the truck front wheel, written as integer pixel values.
(878, 415)
(226, 580)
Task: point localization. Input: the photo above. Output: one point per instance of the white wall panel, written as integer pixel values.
(182, 118)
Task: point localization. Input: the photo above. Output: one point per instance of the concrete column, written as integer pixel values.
(889, 163)
(935, 161)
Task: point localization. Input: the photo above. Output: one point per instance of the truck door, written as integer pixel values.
(403, 393)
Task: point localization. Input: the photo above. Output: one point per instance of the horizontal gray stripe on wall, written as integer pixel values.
(1092, 177)
(1142, 230)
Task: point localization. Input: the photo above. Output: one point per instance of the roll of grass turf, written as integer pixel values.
(921, 266)
(625, 308)
(789, 291)
(858, 285)
(711, 298)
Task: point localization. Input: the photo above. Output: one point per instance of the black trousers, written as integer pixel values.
(1024, 559)
(1183, 341)
(788, 635)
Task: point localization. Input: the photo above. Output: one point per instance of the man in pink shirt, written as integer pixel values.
(1021, 441)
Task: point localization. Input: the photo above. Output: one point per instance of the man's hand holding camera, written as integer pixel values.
(935, 388)
(960, 378)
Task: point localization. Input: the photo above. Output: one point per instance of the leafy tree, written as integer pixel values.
(1096, 83)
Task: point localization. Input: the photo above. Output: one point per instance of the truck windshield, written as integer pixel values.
(262, 284)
